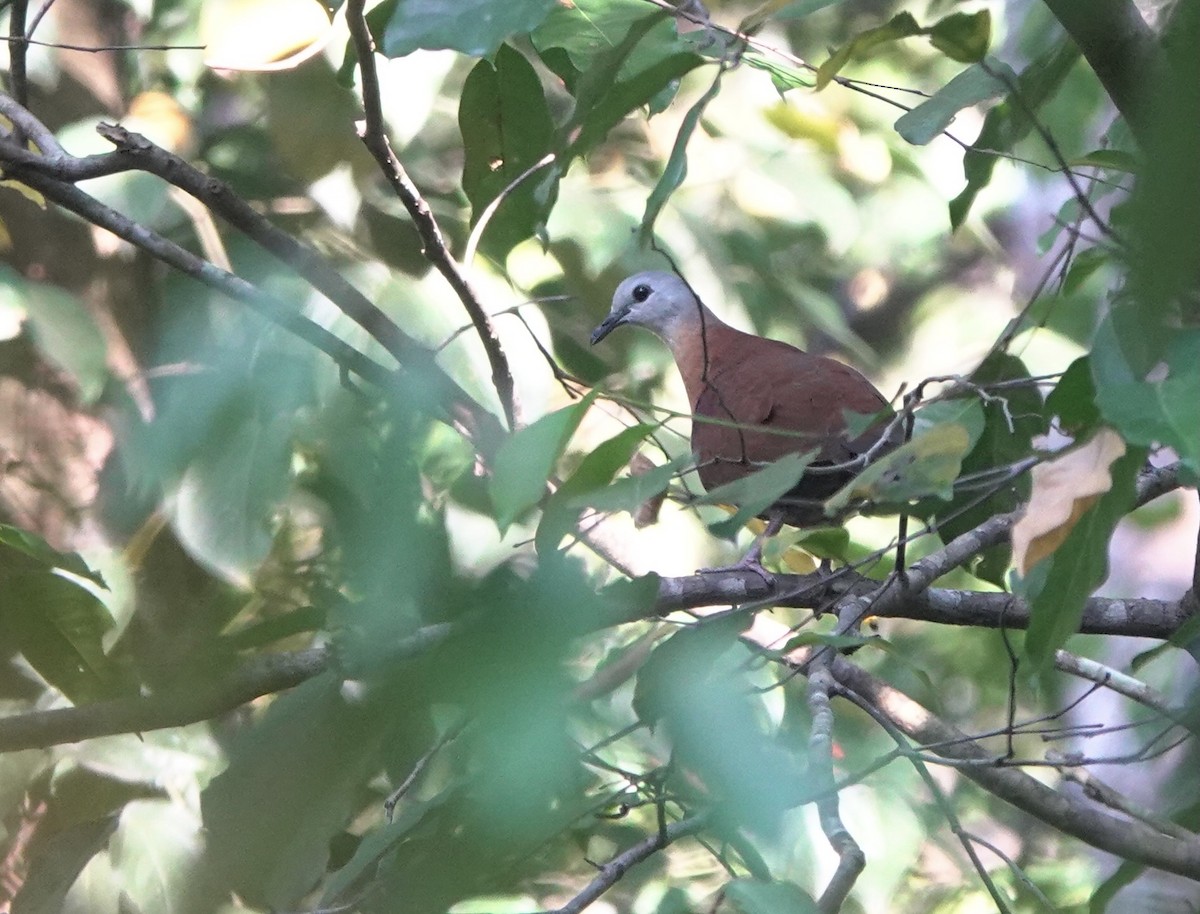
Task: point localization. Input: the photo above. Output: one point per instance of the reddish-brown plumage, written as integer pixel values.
(780, 399)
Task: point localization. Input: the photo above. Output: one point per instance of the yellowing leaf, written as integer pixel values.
(160, 118)
(250, 34)
(758, 17)
(927, 465)
(1063, 490)
(797, 561)
(27, 192)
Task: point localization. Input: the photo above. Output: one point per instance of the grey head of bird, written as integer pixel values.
(659, 301)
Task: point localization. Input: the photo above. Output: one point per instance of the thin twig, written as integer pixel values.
(943, 802)
(73, 199)
(1131, 840)
(612, 872)
(389, 805)
(851, 860)
(485, 217)
(18, 79)
(99, 48)
(374, 136)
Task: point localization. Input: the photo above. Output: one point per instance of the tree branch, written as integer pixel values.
(92, 210)
(851, 860)
(263, 675)
(1137, 617)
(433, 244)
(136, 153)
(1121, 49)
(1143, 618)
(612, 872)
(1128, 839)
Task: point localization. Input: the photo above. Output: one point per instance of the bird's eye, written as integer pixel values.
(641, 292)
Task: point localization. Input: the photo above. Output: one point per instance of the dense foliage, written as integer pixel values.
(338, 573)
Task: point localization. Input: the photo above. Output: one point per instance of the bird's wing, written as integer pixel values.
(795, 401)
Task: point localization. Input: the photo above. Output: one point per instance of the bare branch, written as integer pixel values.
(73, 199)
(136, 153)
(1121, 683)
(1129, 839)
(612, 872)
(1121, 49)
(433, 244)
(820, 754)
(263, 675)
(1145, 618)
(17, 48)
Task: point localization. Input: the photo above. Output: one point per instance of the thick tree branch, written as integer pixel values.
(263, 675)
(1121, 49)
(89, 208)
(1137, 617)
(1147, 618)
(1128, 839)
(433, 244)
(1144, 618)
(136, 153)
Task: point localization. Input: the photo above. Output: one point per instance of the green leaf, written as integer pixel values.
(595, 471)
(526, 460)
(377, 845)
(1164, 410)
(758, 896)
(925, 466)
(227, 497)
(970, 87)
(65, 332)
(902, 25)
(694, 686)
(1010, 422)
(155, 853)
(755, 493)
(630, 492)
(59, 627)
(619, 58)
(1073, 399)
(56, 863)
(1058, 587)
(823, 639)
(474, 27)
(304, 764)
(1083, 265)
(54, 618)
(783, 76)
(676, 167)
(1007, 123)
(1111, 159)
(964, 37)
(41, 555)
(1124, 875)
(506, 128)
(1163, 214)
(591, 30)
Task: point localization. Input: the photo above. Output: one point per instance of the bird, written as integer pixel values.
(769, 399)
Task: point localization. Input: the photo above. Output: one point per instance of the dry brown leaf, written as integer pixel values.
(1063, 489)
(647, 513)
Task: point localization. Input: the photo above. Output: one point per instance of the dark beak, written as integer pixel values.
(611, 323)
